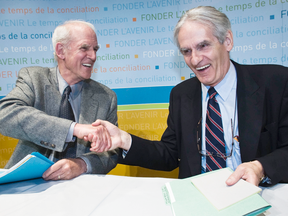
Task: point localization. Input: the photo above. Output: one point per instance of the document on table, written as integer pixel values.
(218, 193)
(187, 199)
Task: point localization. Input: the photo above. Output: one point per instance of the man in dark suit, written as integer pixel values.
(31, 111)
(253, 101)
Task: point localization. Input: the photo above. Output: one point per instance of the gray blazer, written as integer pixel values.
(30, 113)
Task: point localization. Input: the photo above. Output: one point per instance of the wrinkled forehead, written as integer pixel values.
(83, 34)
(195, 32)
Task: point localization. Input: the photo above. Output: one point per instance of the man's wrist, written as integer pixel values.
(258, 168)
(126, 141)
(88, 167)
(76, 129)
(82, 164)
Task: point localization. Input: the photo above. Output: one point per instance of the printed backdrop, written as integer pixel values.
(138, 58)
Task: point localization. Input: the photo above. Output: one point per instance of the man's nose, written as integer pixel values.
(92, 55)
(196, 57)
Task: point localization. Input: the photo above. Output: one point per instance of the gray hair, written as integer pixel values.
(209, 16)
(63, 33)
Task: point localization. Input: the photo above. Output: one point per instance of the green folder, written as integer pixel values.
(30, 167)
(187, 200)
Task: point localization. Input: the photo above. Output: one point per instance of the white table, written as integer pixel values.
(103, 195)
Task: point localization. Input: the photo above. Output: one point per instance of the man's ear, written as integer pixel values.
(59, 50)
(229, 41)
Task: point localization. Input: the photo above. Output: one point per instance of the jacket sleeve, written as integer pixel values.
(23, 116)
(275, 163)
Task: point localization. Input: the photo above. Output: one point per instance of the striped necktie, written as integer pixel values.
(214, 135)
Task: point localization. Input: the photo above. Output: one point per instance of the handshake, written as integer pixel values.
(103, 136)
(106, 136)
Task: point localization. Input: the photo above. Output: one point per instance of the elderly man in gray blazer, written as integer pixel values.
(30, 112)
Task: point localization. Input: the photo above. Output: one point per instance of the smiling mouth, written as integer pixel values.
(87, 65)
(203, 67)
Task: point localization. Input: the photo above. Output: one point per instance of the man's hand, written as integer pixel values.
(101, 138)
(119, 138)
(65, 169)
(251, 172)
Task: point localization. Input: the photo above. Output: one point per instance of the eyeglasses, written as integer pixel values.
(212, 154)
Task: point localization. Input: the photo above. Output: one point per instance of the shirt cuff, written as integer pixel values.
(124, 153)
(266, 180)
(70, 137)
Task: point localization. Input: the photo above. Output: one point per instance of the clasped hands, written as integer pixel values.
(251, 172)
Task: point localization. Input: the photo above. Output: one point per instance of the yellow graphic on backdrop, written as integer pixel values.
(7, 146)
(148, 124)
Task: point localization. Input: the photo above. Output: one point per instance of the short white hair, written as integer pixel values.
(63, 33)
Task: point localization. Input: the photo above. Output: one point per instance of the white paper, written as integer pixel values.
(214, 188)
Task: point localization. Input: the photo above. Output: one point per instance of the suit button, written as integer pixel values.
(53, 145)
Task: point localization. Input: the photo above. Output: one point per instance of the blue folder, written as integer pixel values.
(30, 167)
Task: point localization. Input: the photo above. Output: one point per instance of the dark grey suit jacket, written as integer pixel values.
(30, 113)
(262, 94)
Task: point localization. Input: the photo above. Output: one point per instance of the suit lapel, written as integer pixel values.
(250, 111)
(52, 94)
(192, 109)
(89, 104)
